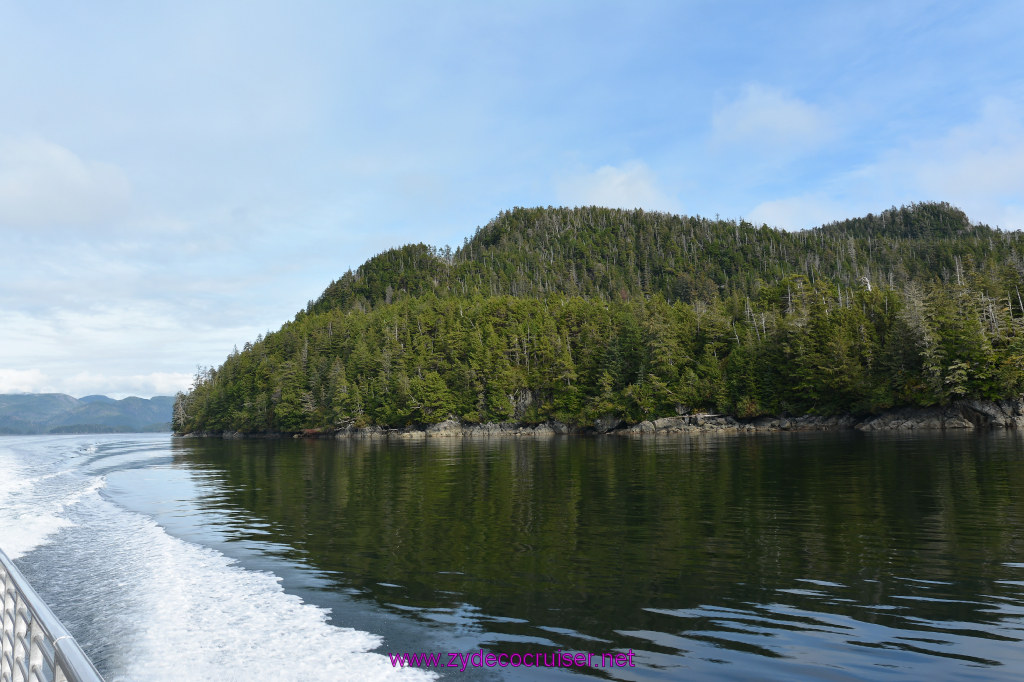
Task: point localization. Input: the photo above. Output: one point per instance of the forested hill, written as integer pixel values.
(613, 254)
(573, 314)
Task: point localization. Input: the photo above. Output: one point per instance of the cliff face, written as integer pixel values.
(962, 414)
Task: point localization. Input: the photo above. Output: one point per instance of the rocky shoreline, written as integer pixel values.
(961, 415)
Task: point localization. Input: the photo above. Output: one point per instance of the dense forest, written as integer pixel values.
(576, 314)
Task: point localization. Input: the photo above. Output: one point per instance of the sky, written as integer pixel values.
(179, 177)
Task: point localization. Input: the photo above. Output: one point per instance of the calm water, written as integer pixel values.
(794, 556)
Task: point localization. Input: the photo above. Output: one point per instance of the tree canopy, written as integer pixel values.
(572, 314)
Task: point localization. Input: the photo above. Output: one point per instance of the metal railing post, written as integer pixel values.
(34, 645)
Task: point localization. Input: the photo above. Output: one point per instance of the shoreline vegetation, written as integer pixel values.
(592, 316)
(961, 415)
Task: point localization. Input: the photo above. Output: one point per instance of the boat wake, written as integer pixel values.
(149, 606)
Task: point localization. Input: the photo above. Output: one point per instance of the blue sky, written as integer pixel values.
(177, 177)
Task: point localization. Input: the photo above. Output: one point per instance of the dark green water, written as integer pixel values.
(814, 556)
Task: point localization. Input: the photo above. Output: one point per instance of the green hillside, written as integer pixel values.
(572, 314)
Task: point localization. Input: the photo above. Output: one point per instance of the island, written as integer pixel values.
(588, 319)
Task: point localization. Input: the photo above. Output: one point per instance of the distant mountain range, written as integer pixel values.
(27, 413)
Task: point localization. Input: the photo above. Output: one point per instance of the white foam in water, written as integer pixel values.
(32, 507)
(158, 608)
(199, 616)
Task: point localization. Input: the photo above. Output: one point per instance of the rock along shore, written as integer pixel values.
(961, 415)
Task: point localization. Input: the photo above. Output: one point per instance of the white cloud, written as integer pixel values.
(122, 386)
(631, 185)
(143, 349)
(43, 184)
(22, 381)
(91, 383)
(1013, 217)
(977, 166)
(799, 213)
(764, 118)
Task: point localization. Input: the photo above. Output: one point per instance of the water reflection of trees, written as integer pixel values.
(590, 533)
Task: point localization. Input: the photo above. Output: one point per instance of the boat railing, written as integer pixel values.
(34, 645)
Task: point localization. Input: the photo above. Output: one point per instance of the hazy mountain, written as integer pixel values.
(25, 413)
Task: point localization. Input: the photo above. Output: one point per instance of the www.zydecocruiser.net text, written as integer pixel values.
(480, 659)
